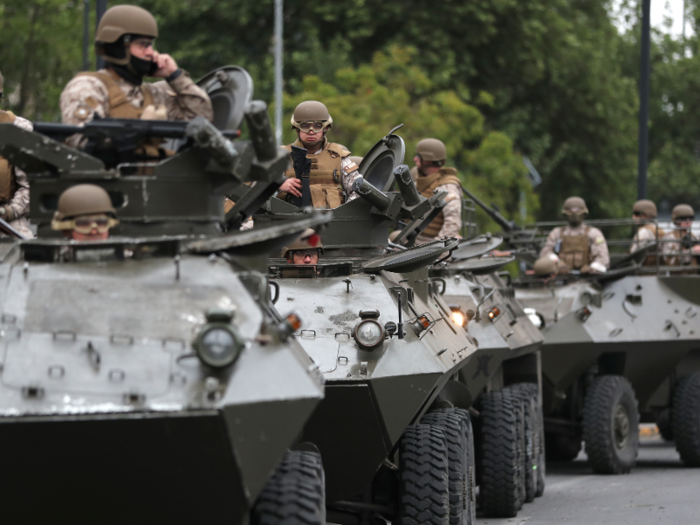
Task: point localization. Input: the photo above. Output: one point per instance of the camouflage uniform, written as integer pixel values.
(17, 207)
(451, 213)
(645, 236)
(674, 254)
(85, 96)
(599, 258)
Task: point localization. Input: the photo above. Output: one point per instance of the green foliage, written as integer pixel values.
(366, 102)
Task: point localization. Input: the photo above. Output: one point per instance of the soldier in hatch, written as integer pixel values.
(430, 175)
(647, 232)
(679, 246)
(305, 250)
(125, 40)
(577, 245)
(84, 213)
(332, 171)
(14, 187)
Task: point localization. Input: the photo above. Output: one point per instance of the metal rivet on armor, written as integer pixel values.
(116, 375)
(56, 371)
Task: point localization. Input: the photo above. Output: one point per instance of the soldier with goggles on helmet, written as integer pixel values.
(84, 213)
(679, 246)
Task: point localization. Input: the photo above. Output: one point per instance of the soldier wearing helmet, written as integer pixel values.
(431, 175)
(679, 246)
(124, 39)
(14, 187)
(647, 232)
(577, 245)
(85, 213)
(305, 250)
(332, 171)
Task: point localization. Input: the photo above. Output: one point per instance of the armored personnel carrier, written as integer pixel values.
(619, 348)
(153, 364)
(503, 378)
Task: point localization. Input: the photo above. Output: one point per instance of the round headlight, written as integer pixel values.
(218, 346)
(368, 334)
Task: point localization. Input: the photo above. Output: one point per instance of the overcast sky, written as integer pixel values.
(661, 9)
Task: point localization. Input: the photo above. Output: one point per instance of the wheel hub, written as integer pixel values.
(621, 426)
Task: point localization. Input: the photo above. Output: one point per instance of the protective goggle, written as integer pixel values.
(689, 218)
(86, 224)
(637, 214)
(308, 126)
(306, 253)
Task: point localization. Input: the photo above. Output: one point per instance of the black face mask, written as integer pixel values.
(144, 68)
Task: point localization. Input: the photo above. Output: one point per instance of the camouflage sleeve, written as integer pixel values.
(550, 243)
(599, 249)
(19, 205)
(452, 212)
(349, 174)
(183, 99)
(82, 98)
(23, 123)
(642, 238)
(670, 248)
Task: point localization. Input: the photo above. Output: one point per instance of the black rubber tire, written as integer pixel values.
(424, 496)
(664, 420)
(457, 427)
(562, 448)
(686, 419)
(499, 491)
(294, 494)
(611, 425)
(528, 394)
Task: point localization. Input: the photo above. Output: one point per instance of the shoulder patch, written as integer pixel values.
(350, 167)
(599, 240)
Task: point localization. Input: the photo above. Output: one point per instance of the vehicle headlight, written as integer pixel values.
(218, 345)
(458, 316)
(368, 334)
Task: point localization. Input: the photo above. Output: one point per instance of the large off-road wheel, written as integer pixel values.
(424, 477)
(534, 452)
(685, 419)
(611, 425)
(457, 427)
(498, 464)
(295, 494)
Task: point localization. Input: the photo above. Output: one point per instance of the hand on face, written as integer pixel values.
(166, 65)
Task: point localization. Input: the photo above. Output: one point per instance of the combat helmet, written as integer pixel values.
(682, 210)
(81, 199)
(645, 206)
(311, 111)
(432, 150)
(574, 206)
(307, 241)
(117, 22)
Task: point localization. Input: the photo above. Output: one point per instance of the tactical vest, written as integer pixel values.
(576, 250)
(653, 254)
(121, 107)
(685, 253)
(426, 185)
(325, 177)
(8, 183)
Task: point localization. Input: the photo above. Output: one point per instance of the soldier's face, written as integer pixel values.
(301, 257)
(575, 219)
(142, 48)
(311, 136)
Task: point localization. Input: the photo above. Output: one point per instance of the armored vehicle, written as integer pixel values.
(619, 348)
(153, 364)
(394, 429)
(503, 377)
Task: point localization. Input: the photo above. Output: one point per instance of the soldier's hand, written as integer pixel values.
(696, 250)
(166, 65)
(292, 186)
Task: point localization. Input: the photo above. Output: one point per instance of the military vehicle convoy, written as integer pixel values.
(152, 364)
(394, 429)
(619, 348)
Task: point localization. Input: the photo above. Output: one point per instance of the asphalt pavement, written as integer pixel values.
(659, 490)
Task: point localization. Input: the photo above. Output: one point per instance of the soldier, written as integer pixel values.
(647, 232)
(84, 213)
(14, 187)
(332, 171)
(305, 250)
(431, 175)
(125, 40)
(679, 245)
(578, 246)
